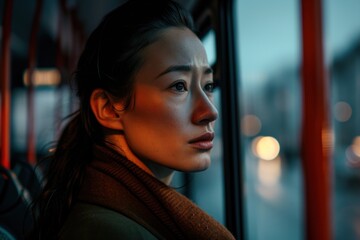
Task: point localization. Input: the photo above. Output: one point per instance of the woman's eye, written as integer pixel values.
(179, 87)
(210, 87)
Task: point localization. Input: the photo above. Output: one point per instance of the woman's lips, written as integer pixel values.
(203, 142)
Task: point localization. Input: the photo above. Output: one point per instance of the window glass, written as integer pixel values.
(50, 106)
(268, 45)
(210, 46)
(342, 51)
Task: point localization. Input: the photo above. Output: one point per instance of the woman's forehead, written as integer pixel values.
(176, 46)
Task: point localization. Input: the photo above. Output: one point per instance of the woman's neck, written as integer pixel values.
(162, 173)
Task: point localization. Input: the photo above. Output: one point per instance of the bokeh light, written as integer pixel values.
(353, 153)
(342, 111)
(266, 148)
(43, 77)
(250, 125)
(269, 172)
(356, 146)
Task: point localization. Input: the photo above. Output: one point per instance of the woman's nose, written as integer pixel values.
(204, 110)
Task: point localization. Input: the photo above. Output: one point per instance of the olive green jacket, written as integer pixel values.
(92, 222)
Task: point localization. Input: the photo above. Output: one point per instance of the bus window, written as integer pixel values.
(342, 51)
(268, 49)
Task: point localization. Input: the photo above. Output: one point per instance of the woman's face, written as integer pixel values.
(170, 122)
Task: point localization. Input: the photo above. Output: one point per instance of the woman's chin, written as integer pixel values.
(201, 165)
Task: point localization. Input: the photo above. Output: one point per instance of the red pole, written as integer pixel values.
(316, 137)
(31, 155)
(5, 85)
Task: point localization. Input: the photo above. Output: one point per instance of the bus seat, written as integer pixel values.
(5, 234)
(15, 214)
(30, 177)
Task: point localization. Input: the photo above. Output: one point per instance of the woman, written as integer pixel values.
(145, 91)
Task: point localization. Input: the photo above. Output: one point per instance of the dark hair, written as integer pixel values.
(112, 55)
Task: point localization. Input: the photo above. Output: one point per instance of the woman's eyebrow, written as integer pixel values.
(183, 68)
(208, 70)
(176, 68)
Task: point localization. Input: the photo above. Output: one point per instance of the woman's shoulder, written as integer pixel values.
(88, 221)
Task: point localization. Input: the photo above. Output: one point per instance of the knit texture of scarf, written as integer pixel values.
(161, 209)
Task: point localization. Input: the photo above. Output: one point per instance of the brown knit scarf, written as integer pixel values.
(117, 183)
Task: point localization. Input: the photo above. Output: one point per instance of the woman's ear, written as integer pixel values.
(104, 111)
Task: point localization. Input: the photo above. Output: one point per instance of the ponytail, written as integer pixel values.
(65, 171)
